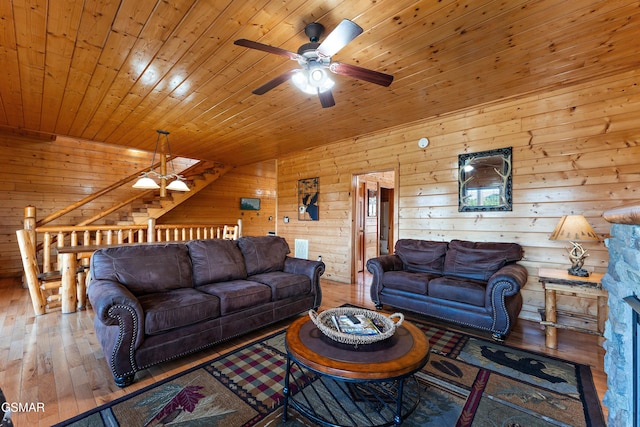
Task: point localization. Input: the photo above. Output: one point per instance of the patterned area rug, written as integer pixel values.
(467, 382)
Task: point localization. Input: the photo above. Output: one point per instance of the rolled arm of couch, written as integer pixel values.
(503, 285)
(312, 269)
(377, 266)
(115, 305)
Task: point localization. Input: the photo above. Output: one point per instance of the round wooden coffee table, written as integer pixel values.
(342, 385)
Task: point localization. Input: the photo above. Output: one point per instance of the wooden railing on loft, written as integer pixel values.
(49, 237)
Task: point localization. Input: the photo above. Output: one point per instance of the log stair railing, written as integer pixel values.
(57, 236)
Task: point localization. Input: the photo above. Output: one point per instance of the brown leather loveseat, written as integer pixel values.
(473, 284)
(156, 302)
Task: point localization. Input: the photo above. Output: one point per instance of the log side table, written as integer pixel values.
(561, 281)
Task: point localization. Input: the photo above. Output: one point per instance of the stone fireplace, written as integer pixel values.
(622, 281)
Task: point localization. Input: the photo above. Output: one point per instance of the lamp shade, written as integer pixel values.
(574, 228)
(146, 183)
(178, 185)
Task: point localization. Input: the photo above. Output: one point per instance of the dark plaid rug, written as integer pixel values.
(468, 381)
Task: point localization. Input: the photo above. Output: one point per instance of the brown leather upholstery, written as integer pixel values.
(158, 302)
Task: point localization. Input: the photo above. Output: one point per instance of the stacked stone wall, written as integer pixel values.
(621, 280)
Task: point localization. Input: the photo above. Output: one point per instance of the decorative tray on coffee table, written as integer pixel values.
(368, 327)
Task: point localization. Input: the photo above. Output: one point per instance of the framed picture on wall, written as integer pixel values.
(372, 203)
(249, 204)
(308, 193)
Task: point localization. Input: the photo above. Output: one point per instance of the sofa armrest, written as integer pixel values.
(115, 305)
(507, 281)
(377, 266)
(312, 269)
(503, 284)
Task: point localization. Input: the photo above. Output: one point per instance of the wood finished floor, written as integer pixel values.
(56, 359)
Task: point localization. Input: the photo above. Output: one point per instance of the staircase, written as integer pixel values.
(197, 177)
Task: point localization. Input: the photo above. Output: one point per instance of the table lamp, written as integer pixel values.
(575, 228)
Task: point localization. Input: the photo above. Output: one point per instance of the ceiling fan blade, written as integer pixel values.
(365, 74)
(274, 82)
(326, 99)
(339, 38)
(266, 48)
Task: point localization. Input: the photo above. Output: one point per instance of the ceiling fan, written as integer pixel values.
(315, 59)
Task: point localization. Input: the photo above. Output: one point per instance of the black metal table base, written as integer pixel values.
(334, 401)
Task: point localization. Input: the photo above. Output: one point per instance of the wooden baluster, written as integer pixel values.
(151, 226)
(120, 237)
(176, 234)
(86, 238)
(74, 238)
(109, 237)
(130, 235)
(98, 237)
(46, 253)
(141, 236)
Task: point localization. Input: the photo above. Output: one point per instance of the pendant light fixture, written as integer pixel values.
(145, 182)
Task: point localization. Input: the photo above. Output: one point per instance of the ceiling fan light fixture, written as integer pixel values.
(312, 81)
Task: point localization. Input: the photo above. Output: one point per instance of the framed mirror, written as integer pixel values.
(484, 181)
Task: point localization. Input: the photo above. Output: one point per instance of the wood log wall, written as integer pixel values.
(575, 150)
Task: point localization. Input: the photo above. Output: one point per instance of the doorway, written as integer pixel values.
(374, 212)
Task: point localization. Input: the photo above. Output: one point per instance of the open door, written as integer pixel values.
(373, 217)
(359, 243)
(386, 220)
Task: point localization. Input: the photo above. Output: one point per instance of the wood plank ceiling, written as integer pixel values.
(115, 71)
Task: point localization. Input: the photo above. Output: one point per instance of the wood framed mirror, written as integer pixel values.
(484, 181)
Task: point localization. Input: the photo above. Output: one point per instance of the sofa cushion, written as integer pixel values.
(236, 295)
(216, 260)
(457, 289)
(181, 307)
(421, 255)
(284, 285)
(414, 282)
(479, 260)
(263, 254)
(144, 268)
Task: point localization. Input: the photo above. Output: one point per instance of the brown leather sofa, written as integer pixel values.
(474, 284)
(156, 302)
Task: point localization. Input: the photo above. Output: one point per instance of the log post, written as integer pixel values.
(27, 250)
(68, 291)
(551, 333)
(30, 226)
